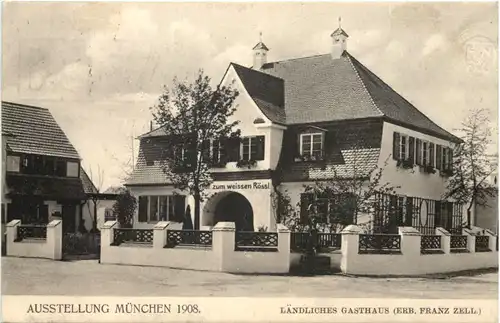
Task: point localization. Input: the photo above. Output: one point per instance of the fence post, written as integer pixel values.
(223, 235)
(445, 239)
(284, 244)
(410, 241)
(471, 240)
(349, 248)
(54, 239)
(492, 240)
(160, 234)
(107, 235)
(11, 235)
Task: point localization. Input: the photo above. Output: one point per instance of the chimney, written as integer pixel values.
(339, 42)
(150, 125)
(259, 54)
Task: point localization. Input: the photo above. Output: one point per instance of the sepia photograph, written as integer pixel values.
(312, 158)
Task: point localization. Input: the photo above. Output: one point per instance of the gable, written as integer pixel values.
(35, 131)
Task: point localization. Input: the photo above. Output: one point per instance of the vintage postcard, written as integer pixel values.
(249, 162)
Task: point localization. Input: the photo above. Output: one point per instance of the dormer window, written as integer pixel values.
(311, 144)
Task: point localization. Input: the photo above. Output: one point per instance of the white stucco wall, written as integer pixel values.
(50, 248)
(259, 196)
(410, 261)
(246, 112)
(412, 182)
(221, 256)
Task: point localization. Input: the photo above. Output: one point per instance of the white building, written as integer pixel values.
(301, 120)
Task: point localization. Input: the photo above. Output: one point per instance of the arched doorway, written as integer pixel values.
(232, 207)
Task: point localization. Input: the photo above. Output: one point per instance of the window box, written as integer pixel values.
(429, 169)
(406, 163)
(246, 163)
(310, 158)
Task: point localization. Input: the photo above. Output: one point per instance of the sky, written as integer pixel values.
(99, 67)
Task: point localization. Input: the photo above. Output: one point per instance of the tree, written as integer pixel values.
(124, 208)
(472, 166)
(97, 180)
(195, 120)
(345, 197)
(340, 200)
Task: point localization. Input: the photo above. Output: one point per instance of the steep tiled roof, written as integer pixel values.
(148, 169)
(267, 92)
(322, 89)
(319, 89)
(88, 185)
(35, 131)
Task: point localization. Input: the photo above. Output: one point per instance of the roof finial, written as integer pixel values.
(260, 36)
(340, 22)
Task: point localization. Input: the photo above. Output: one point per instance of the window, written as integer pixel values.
(446, 159)
(13, 163)
(404, 147)
(311, 144)
(60, 168)
(252, 148)
(425, 153)
(161, 208)
(72, 169)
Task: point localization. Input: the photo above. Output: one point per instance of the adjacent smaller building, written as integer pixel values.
(43, 174)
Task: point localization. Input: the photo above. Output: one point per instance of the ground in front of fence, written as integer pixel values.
(24, 276)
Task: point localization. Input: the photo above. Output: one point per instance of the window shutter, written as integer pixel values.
(418, 152)
(329, 145)
(233, 149)
(260, 147)
(411, 150)
(396, 146)
(305, 201)
(431, 155)
(143, 209)
(439, 154)
(450, 159)
(179, 208)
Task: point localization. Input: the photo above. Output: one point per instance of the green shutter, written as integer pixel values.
(143, 209)
(396, 146)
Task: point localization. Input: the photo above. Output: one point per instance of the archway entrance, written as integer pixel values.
(233, 207)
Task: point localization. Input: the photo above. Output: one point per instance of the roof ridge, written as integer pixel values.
(363, 83)
(296, 58)
(257, 71)
(24, 105)
(402, 97)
